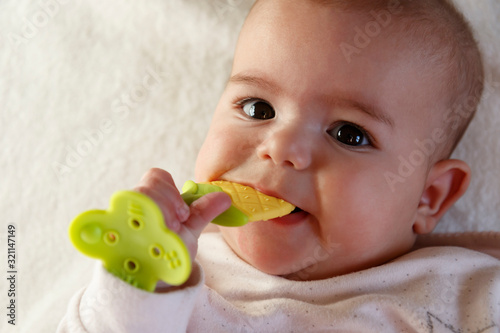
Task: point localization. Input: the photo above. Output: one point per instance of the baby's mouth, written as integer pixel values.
(296, 216)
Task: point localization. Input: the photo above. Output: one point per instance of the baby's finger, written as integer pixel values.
(205, 209)
(163, 182)
(167, 209)
(157, 173)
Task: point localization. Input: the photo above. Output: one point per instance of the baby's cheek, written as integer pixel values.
(204, 163)
(217, 155)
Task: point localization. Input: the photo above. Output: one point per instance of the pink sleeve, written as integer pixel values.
(110, 305)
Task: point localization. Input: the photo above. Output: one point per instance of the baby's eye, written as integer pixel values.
(257, 109)
(350, 134)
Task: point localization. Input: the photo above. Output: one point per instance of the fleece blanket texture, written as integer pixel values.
(94, 93)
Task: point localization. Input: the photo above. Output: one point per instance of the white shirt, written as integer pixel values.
(432, 289)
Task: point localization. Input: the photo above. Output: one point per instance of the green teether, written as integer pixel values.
(232, 217)
(132, 241)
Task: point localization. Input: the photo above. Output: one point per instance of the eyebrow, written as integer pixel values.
(257, 81)
(368, 109)
(267, 85)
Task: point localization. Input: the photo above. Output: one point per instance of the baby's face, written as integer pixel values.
(300, 122)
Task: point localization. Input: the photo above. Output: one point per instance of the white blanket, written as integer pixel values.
(94, 93)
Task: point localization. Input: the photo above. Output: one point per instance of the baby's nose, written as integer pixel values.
(287, 147)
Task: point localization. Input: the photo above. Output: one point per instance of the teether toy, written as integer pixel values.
(254, 204)
(232, 217)
(248, 204)
(133, 242)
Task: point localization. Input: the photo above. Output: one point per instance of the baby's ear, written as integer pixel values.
(446, 183)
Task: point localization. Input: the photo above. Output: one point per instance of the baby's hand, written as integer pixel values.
(187, 221)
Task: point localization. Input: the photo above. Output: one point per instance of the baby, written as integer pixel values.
(349, 110)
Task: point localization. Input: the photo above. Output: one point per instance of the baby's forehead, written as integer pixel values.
(374, 32)
(368, 21)
(357, 25)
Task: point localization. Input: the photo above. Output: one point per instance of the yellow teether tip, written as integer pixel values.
(256, 205)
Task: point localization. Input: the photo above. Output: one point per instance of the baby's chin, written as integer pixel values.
(298, 271)
(296, 263)
(301, 262)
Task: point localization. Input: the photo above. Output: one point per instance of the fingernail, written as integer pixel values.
(175, 225)
(183, 212)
